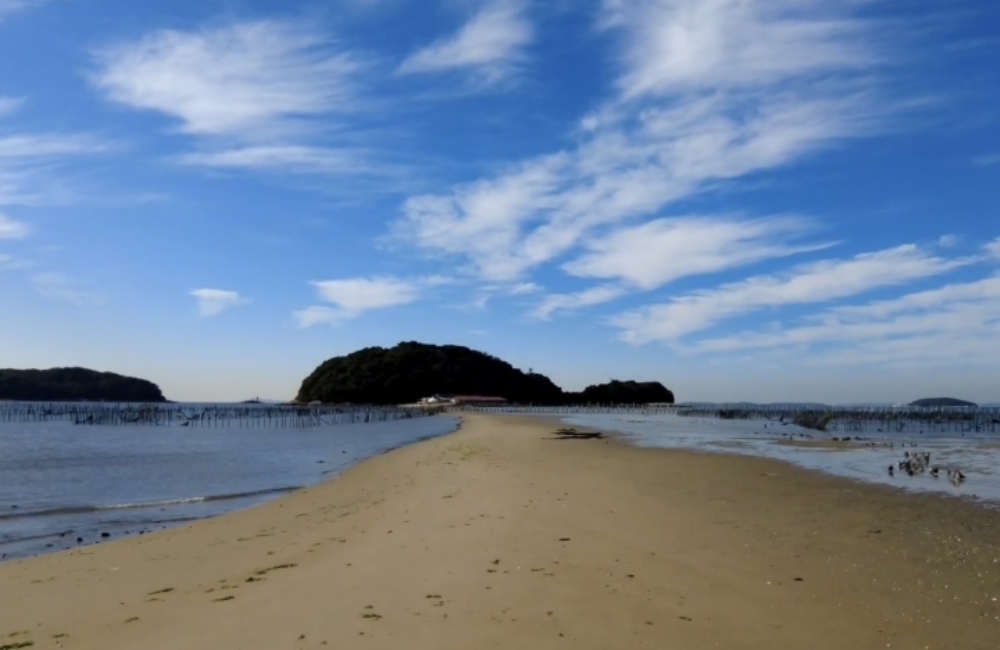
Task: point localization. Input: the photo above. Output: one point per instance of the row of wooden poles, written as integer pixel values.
(212, 415)
(907, 419)
(868, 419)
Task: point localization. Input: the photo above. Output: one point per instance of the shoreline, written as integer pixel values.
(991, 506)
(497, 534)
(865, 460)
(63, 518)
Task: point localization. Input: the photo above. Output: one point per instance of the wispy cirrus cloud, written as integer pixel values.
(256, 95)
(658, 252)
(959, 321)
(286, 157)
(948, 241)
(9, 262)
(9, 105)
(987, 160)
(29, 162)
(685, 45)
(993, 248)
(59, 286)
(651, 255)
(10, 229)
(710, 91)
(246, 80)
(490, 46)
(212, 302)
(353, 297)
(24, 149)
(811, 283)
(600, 294)
(9, 7)
(485, 293)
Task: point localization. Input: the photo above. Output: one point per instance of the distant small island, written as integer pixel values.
(942, 401)
(75, 385)
(411, 371)
(623, 392)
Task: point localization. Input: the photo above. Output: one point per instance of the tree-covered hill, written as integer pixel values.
(411, 370)
(626, 392)
(941, 401)
(75, 384)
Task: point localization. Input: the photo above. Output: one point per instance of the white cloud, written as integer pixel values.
(352, 298)
(359, 295)
(573, 301)
(684, 45)
(62, 287)
(491, 44)
(955, 322)
(28, 163)
(437, 281)
(993, 248)
(812, 283)
(313, 316)
(522, 288)
(26, 148)
(987, 160)
(248, 80)
(489, 291)
(9, 262)
(284, 157)
(658, 252)
(482, 220)
(661, 251)
(212, 302)
(671, 132)
(8, 7)
(9, 105)
(948, 241)
(266, 95)
(10, 229)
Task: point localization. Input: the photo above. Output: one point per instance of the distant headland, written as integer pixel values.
(75, 385)
(411, 371)
(942, 401)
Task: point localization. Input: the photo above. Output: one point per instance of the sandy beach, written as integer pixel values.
(501, 536)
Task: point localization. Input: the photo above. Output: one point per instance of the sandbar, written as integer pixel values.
(500, 536)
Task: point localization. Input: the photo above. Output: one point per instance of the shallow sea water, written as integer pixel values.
(60, 482)
(978, 456)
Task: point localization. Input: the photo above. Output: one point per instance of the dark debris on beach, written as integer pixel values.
(569, 433)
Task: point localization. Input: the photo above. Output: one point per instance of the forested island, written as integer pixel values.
(411, 371)
(623, 392)
(75, 385)
(942, 401)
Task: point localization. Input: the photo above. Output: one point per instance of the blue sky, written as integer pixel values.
(743, 199)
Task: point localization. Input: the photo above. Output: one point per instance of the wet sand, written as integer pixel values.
(500, 536)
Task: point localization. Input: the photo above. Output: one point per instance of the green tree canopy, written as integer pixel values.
(412, 370)
(627, 392)
(409, 371)
(75, 384)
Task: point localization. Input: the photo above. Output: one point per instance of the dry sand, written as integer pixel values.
(500, 537)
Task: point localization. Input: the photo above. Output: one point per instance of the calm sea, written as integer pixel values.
(63, 486)
(977, 455)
